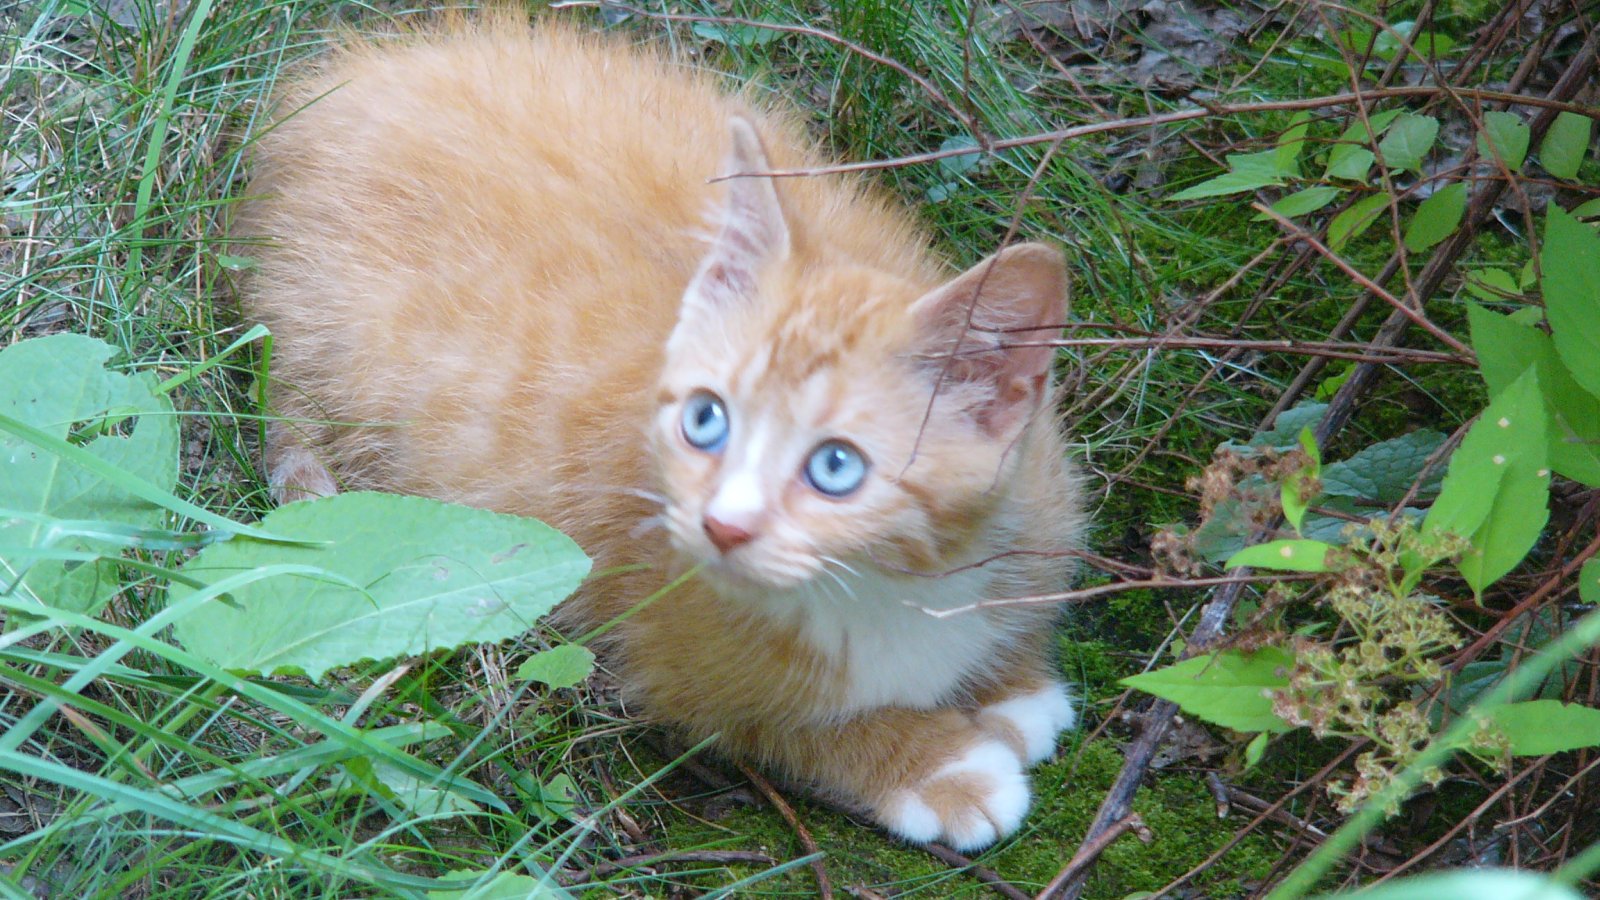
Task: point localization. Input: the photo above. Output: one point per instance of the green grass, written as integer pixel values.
(121, 160)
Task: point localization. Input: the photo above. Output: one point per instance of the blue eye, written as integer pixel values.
(836, 468)
(705, 421)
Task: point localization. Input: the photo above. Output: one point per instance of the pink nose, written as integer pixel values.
(725, 536)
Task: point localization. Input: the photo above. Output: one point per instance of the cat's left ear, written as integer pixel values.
(989, 328)
(753, 231)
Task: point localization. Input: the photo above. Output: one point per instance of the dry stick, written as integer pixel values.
(955, 860)
(1215, 615)
(1091, 850)
(807, 842)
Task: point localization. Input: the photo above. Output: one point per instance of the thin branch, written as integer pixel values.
(1091, 850)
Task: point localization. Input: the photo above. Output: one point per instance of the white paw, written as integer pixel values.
(1038, 717)
(969, 803)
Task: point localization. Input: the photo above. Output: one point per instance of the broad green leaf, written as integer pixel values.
(1288, 555)
(1228, 688)
(1503, 457)
(1387, 43)
(1491, 285)
(413, 794)
(1385, 471)
(1286, 157)
(558, 667)
(1289, 424)
(1436, 217)
(1351, 157)
(1246, 172)
(1468, 884)
(503, 886)
(735, 35)
(1565, 144)
(1505, 350)
(1297, 491)
(1408, 140)
(1589, 582)
(436, 576)
(1537, 727)
(60, 385)
(1572, 294)
(1504, 137)
(1301, 202)
(952, 166)
(1360, 215)
(1588, 209)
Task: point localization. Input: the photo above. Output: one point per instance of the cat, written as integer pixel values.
(504, 243)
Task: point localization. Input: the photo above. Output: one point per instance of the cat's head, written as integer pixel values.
(815, 414)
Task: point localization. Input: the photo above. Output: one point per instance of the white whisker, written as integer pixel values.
(827, 563)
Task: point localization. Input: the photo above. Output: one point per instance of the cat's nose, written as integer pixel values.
(723, 535)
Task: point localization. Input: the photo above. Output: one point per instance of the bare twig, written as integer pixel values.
(807, 842)
(1091, 849)
(955, 860)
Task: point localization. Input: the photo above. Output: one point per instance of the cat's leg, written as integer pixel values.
(294, 471)
(1029, 713)
(924, 775)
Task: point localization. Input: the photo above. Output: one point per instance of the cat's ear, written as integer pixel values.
(753, 231)
(989, 328)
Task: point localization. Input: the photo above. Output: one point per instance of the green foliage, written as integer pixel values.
(1229, 688)
(558, 667)
(1566, 144)
(1474, 884)
(1537, 727)
(1286, 555)
(381, 576)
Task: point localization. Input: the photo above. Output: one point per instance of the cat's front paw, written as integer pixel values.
(1031, 721)
(968, 803)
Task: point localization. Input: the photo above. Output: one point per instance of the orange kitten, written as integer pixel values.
(502, 242)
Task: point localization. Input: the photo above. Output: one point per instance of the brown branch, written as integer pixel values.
(1116, 587)
(1091, 850)
(807, 842)
(955, 860)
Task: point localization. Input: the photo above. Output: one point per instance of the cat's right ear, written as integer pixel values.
(753, 231)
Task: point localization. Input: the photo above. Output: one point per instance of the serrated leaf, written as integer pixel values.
(953, 166)
(1358, 217)
(1289, 424)
(1287, 555)
(1408, 140)
(1565, 144)
(1537, 727)
(1491, 285)
(1436, 217)
(1469, 884)
(1353, 165)
(1571, 282)
(1385, 471)
(1506, 349)
(1302, 202)
(1286, 157)
(1505, 137)
(436, 576)
(1228, 688)
(1503, 457)
(558, 667)
(60, 385)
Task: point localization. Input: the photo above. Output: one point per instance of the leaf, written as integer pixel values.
(1565, 144)
(59, 385)
(1246, 172)
(1491, 285)
(1350, 157)
(1572, 294)
(236, 263)
(952, 166)
(1254, 750)
(1288, 555)
(1589, 582)
(735, 35)
(413, 794)
(1385, 471)
(1297, 491)
(1588, 209)
(1301, 202)
(1537, 727)
(1286, 428)
(1286, 156)
(1228, 688)
(1503, 458)
(435, 575)
(1504, 137)
(503, 886)
(1358, 217)
(1408, 140)
(1505, 350)
(1387, 43)
(1470, 884)
(1436, 217)
(558, 667)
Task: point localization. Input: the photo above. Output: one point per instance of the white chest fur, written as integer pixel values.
(893, 653)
